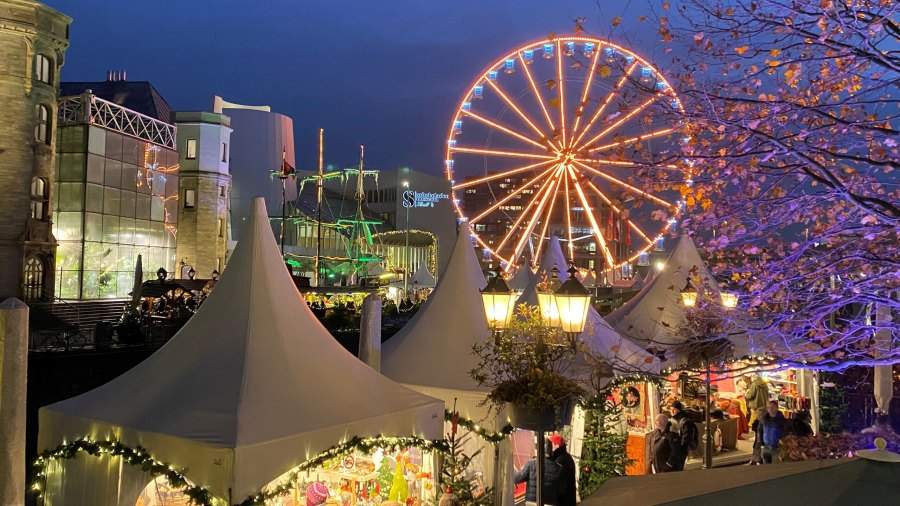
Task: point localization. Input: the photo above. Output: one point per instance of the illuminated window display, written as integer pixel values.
(116, 198)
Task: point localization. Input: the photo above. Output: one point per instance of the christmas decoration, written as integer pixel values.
(457, 485)
(603, 447)
(201, 496)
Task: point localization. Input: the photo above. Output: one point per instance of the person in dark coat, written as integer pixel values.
(551, 483)
(567, 491)
(773, 426)
(685, 436)
(661, 442)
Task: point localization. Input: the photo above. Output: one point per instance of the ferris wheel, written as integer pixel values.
(546, 140)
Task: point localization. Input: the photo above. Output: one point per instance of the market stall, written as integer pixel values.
(242, 404)
(655, 315)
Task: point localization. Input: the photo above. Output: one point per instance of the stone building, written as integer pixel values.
(203, 226)
(33, 41)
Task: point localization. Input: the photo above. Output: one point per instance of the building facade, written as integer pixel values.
(261, 140)
(204, 141)
(33, 42)
(117, 192)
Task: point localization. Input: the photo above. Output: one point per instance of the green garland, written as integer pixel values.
(201, 496)
(471, 426)
(364, 445)
(137, 456)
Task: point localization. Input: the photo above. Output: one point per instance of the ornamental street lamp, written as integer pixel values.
(499, 302)
(728, 301)
(572, 302)
(565, 308)
(688, 294)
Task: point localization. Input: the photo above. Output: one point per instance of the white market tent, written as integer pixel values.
(432, 353)
(422, 278)
(251, 386)
(434, 349)
(654, 314)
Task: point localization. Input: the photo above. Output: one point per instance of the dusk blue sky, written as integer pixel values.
(385, 73)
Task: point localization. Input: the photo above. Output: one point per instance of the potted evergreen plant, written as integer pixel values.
(525, 366)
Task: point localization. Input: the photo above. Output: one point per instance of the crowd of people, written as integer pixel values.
(675, 437)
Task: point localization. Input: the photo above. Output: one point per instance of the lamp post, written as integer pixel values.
(406, 249)
(562, 306)
(498, 302)
(689, 297)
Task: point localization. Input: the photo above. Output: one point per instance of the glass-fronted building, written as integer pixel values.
(116, 197)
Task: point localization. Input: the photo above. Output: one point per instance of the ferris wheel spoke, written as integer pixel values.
(618, 211)
(494, 152)
(584, 95)
(594, 225)
(569, 245)
(498, 175)
(561, 86)
(625, 185)
(606, 101)
(512, 195)
(632, 113)
(537, 93)
(539, 195)
(518, 111)
(504, 129)
(632, 140)
(549, 217)
(551, 189)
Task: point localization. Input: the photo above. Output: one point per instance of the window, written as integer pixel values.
(222, 191)
(43, 70)
(191, 149)
(33, 280)
(221, 227)
(42, 123)
(190, 199)
(40, 197)
(224, 151)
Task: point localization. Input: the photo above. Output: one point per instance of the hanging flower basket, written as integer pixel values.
(544, 419)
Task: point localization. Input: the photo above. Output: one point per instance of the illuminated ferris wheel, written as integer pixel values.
(546, 141)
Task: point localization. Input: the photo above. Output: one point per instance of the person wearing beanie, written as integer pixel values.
(567, 489)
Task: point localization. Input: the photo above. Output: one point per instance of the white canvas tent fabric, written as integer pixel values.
(422, 278)
(522, 278)
(432, 353)
(554, 257)
(654, 315)
(435, 347)
(252, 385)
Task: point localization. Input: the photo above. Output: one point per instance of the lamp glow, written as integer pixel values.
(499, 302)
(572, 303)
(688, 294)
(729, 300)
(549, 309)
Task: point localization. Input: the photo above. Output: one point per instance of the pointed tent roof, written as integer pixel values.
(435, 348)
(422, 278)
(654, 314)
(598, 335)
(522, 278)
(554, 257)
(253, 382)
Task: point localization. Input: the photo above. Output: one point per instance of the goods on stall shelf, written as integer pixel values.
(380, 479)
